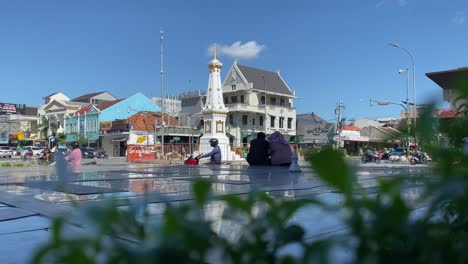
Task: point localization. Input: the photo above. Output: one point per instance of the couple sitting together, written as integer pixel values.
(276, 151)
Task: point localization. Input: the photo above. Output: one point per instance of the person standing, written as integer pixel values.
(280, 151)
(75, 156)
(258, 152)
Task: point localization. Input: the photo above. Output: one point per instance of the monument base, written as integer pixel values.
(223, 143)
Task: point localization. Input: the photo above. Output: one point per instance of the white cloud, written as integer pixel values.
(402, 3)
(459, 18)
(380, 4)
(237, 50)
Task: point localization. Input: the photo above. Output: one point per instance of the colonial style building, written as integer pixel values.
(257, 101)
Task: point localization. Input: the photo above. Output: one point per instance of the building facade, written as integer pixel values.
(257, 101)
(314, 130)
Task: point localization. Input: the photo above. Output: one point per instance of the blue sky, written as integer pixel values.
(325, 50)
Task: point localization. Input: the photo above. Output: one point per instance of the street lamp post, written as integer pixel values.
(384, 102)
(162, 96)
(264, 103)
(414, 78)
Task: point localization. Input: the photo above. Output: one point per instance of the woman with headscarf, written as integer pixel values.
(258, 152)
(280, 151)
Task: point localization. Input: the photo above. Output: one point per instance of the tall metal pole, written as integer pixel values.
(408, 119)
(338, 124)
(162, 96)
(264, 103)
(414, 78)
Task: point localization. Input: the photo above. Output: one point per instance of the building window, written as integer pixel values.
(273, 101)
(262, 100)
(253, 121)
(226, 100)
(242, 99)
(281, 122)
(231, 119)
(244, 119)
(290, 123)
(261, 121)
(282, 102)
(233, 87)
(272, 121)
(234, 99)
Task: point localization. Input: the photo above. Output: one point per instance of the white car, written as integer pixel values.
(35, 150)
(5, 152)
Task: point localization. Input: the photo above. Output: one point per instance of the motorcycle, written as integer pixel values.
(43, 159)
(27, 155)
(102, 155)
(371, 157)
(192, 161)
(420, 158)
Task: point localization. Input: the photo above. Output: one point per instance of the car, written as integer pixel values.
(5, 152)
(64, 151)
(86, 153)
(93, 150)
(36, 151)
(398, 152)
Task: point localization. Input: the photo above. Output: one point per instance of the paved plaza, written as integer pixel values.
(31, 195)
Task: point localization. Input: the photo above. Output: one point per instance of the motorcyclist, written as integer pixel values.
(75, 156)
(215, 154)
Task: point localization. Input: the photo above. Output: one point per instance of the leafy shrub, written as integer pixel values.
(18, 164)
(6, 164)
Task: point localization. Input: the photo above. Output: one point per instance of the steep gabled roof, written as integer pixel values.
(83, 110)
(265, 80)
(87, 96)
(49, 95)
(108, 104)
(310, 118)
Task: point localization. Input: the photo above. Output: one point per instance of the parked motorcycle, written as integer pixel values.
(102, 155)
(371, 157)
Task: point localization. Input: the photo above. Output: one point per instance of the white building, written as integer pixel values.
(171, 106)
(258, 101)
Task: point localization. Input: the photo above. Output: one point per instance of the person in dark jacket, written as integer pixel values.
(215, 154)
(258, 152)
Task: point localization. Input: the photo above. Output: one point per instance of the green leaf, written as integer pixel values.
(202, 191)
(332, 168)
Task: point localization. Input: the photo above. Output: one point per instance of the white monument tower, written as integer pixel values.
(214, 113)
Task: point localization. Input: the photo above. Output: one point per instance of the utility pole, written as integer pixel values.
(338, 111)
(162, 95)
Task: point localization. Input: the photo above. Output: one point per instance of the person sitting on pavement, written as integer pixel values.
(258, 152)
(215, 154)
(75, 156)
(280, 151)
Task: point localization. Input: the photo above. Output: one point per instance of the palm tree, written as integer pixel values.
(48, 124)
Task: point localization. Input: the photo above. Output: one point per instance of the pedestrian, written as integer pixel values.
(75, 156)
(280, 151)
(258, 152)
(215, 154)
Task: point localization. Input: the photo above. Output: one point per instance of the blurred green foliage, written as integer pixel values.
(392, 225)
